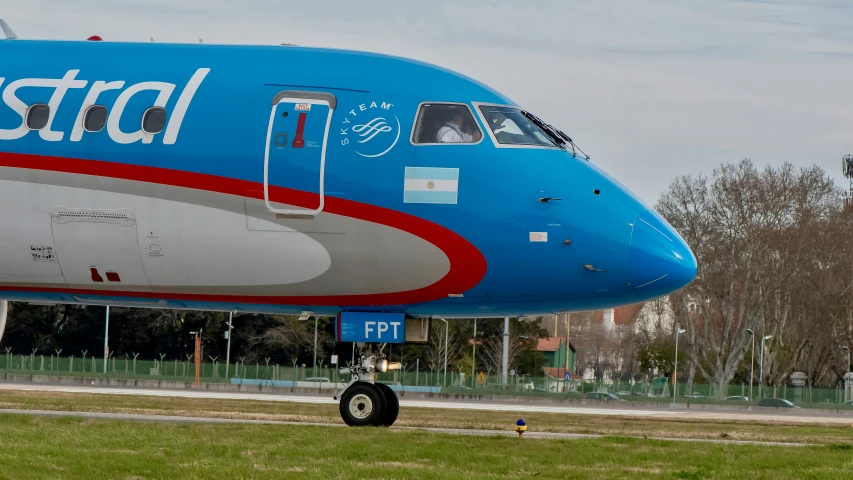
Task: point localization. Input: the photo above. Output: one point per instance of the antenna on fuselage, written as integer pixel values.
(7, 30)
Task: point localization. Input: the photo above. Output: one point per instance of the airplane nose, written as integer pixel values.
(661, 262)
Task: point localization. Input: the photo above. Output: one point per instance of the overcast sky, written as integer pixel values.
(649, 90)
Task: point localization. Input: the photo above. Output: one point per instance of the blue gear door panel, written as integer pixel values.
(295, 156)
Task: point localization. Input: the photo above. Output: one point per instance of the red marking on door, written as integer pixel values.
(96, 277)
(113, 277)
(298, 141)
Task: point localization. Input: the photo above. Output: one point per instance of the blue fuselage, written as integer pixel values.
(388, 222)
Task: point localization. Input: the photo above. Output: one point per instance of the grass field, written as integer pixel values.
(426, 417)
(70, 448)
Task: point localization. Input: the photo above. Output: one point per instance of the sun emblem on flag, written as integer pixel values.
(430, 185)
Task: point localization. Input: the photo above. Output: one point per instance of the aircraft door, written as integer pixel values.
(98, 247)
(295, 155)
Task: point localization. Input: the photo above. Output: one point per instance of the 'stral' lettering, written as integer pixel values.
(91, 99)
(177, 117)
(60, 86)
(113, 127)
(69, 81)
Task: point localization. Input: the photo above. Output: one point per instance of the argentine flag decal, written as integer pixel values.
(431, 185)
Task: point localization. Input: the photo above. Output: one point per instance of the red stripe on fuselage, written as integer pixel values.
(467, 264)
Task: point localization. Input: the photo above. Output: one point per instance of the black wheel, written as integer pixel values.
(363, 404)
(392, 405)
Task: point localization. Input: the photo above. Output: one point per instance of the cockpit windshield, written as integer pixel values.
(511, 127)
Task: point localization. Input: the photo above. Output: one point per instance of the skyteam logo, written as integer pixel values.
(372, 129)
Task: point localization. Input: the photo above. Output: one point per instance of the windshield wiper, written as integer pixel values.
(572, 143)
(558, 135)
(544, 126)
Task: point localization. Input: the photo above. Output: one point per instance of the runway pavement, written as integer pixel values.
(783, 415)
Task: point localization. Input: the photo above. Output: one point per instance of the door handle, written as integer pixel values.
(281, 139)
(548, 199)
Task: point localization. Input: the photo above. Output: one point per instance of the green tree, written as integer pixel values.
(658, 356)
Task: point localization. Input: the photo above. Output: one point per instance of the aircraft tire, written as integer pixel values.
(392, 405)
(363, 404)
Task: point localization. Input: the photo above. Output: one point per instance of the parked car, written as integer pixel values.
(848, 403)
(624, 393)
(776, 402)
(738, 398)
(604, 396)
(318, 379)
(527, 386)
(694, 395)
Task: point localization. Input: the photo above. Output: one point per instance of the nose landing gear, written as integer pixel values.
(363, 401)
(392, 407)
(366, 403)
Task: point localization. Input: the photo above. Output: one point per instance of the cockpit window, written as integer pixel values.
(441, 123)
(510, 127)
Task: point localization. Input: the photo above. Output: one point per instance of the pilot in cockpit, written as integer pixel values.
(455, 130)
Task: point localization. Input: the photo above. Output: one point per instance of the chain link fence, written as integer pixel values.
(260, 373)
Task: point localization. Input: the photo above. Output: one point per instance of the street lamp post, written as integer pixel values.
(505, 354)
(568, 329)
(848, 357)
(752, 361)
(315, 348)
(675, 369)
(761, 364)
(474, 354)
(560, 362)
(228, 348)
(107, 339)
(446, 327)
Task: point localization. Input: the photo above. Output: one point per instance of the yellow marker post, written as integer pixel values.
(520, 427)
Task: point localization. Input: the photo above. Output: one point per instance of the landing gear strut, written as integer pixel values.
(365, 402)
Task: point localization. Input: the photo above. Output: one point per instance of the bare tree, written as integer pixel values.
(749, 230)
(435, 349)
(492, 351)
(288, 333)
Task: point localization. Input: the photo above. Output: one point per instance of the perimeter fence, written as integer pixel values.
(239, 372)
